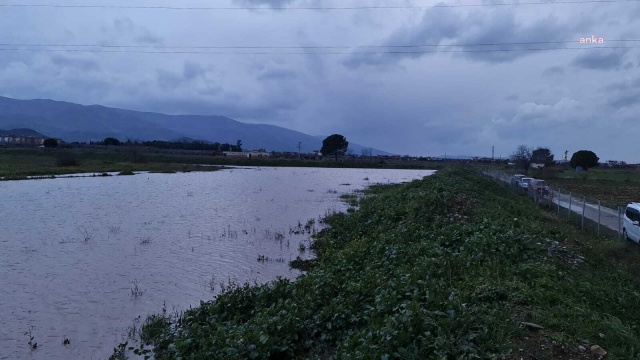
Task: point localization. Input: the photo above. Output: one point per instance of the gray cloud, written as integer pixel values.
(423, 104)
(270, 3)
(471, 35)
(594, 59)
(123, 30)
(75, 62)
(193, 70)
(553, 71)
(622, 94)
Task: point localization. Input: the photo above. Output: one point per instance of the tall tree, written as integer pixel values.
(111, 141)
(522, 157)
(239, 145)
(50, 143)
(335, 144)
(584, 158)
(542, 156)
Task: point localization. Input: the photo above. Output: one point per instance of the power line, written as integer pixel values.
(311, 53)
(365, 7)
(159, 47)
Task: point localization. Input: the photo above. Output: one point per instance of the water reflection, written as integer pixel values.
(82, 258)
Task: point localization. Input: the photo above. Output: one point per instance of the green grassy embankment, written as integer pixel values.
(443, 268)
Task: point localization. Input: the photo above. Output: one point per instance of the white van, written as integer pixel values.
(631, 222)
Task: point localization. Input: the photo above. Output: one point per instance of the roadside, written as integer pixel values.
(571, 204)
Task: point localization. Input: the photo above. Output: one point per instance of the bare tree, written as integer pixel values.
(522, 157)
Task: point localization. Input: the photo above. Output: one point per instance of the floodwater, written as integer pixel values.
(83, 258)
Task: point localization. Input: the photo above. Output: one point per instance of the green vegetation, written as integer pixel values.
(524, 156)
(110, 141)
(612, 186)
(584, 158)
(335, 144)
(50, 143)
(20, 163)
(449, 267)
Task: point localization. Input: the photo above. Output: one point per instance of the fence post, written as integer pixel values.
(559, 197)
(619, 230)
(569, 212)
(584, 202)
(598, 217)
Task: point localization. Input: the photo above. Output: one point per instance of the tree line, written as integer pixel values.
(524, 156)
(176, 145)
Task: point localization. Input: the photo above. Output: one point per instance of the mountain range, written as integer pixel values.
(74, 122)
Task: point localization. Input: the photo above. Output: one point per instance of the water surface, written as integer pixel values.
(82, 258)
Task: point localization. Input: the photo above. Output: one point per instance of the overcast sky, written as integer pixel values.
(417, 104)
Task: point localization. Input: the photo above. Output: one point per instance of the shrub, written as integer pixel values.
(111, 141)
(66, 159)
(50, 143)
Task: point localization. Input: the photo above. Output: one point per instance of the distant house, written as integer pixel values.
(258, 153)
(21, 140)
(234, 154)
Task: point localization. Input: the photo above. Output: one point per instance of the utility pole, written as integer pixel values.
(299, 153)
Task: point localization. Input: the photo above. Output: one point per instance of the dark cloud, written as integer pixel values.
(630, 99)
(622, 94)
(75, 62)
(424, 104)
(124, 30)
(595, 59)
(193, 70)
(553, 71)
(471, 36)
(270, 3)
(434, 28)
(277, 74)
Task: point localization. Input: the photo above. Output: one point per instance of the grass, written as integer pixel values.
(610, 185)
(448, 267)
(17, 164)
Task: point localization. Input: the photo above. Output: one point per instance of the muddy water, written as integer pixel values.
(82, 258)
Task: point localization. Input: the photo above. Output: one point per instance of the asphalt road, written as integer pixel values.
(608, 217)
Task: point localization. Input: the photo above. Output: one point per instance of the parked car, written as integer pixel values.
(631, 222)
(538, 186)
(524, 183)
(515, 178)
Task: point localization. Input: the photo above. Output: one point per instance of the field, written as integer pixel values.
(450, 267)
(20, 163)
(611, 186)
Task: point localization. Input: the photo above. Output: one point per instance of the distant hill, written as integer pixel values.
(21, 132)
(74, 122)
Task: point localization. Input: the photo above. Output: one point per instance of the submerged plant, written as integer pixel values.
(120, 352)
(85, 232)
(136, 291)
(32, 344)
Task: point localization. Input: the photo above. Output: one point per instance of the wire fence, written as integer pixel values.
(588, 213)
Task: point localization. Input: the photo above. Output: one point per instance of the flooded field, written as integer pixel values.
(82, 259)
